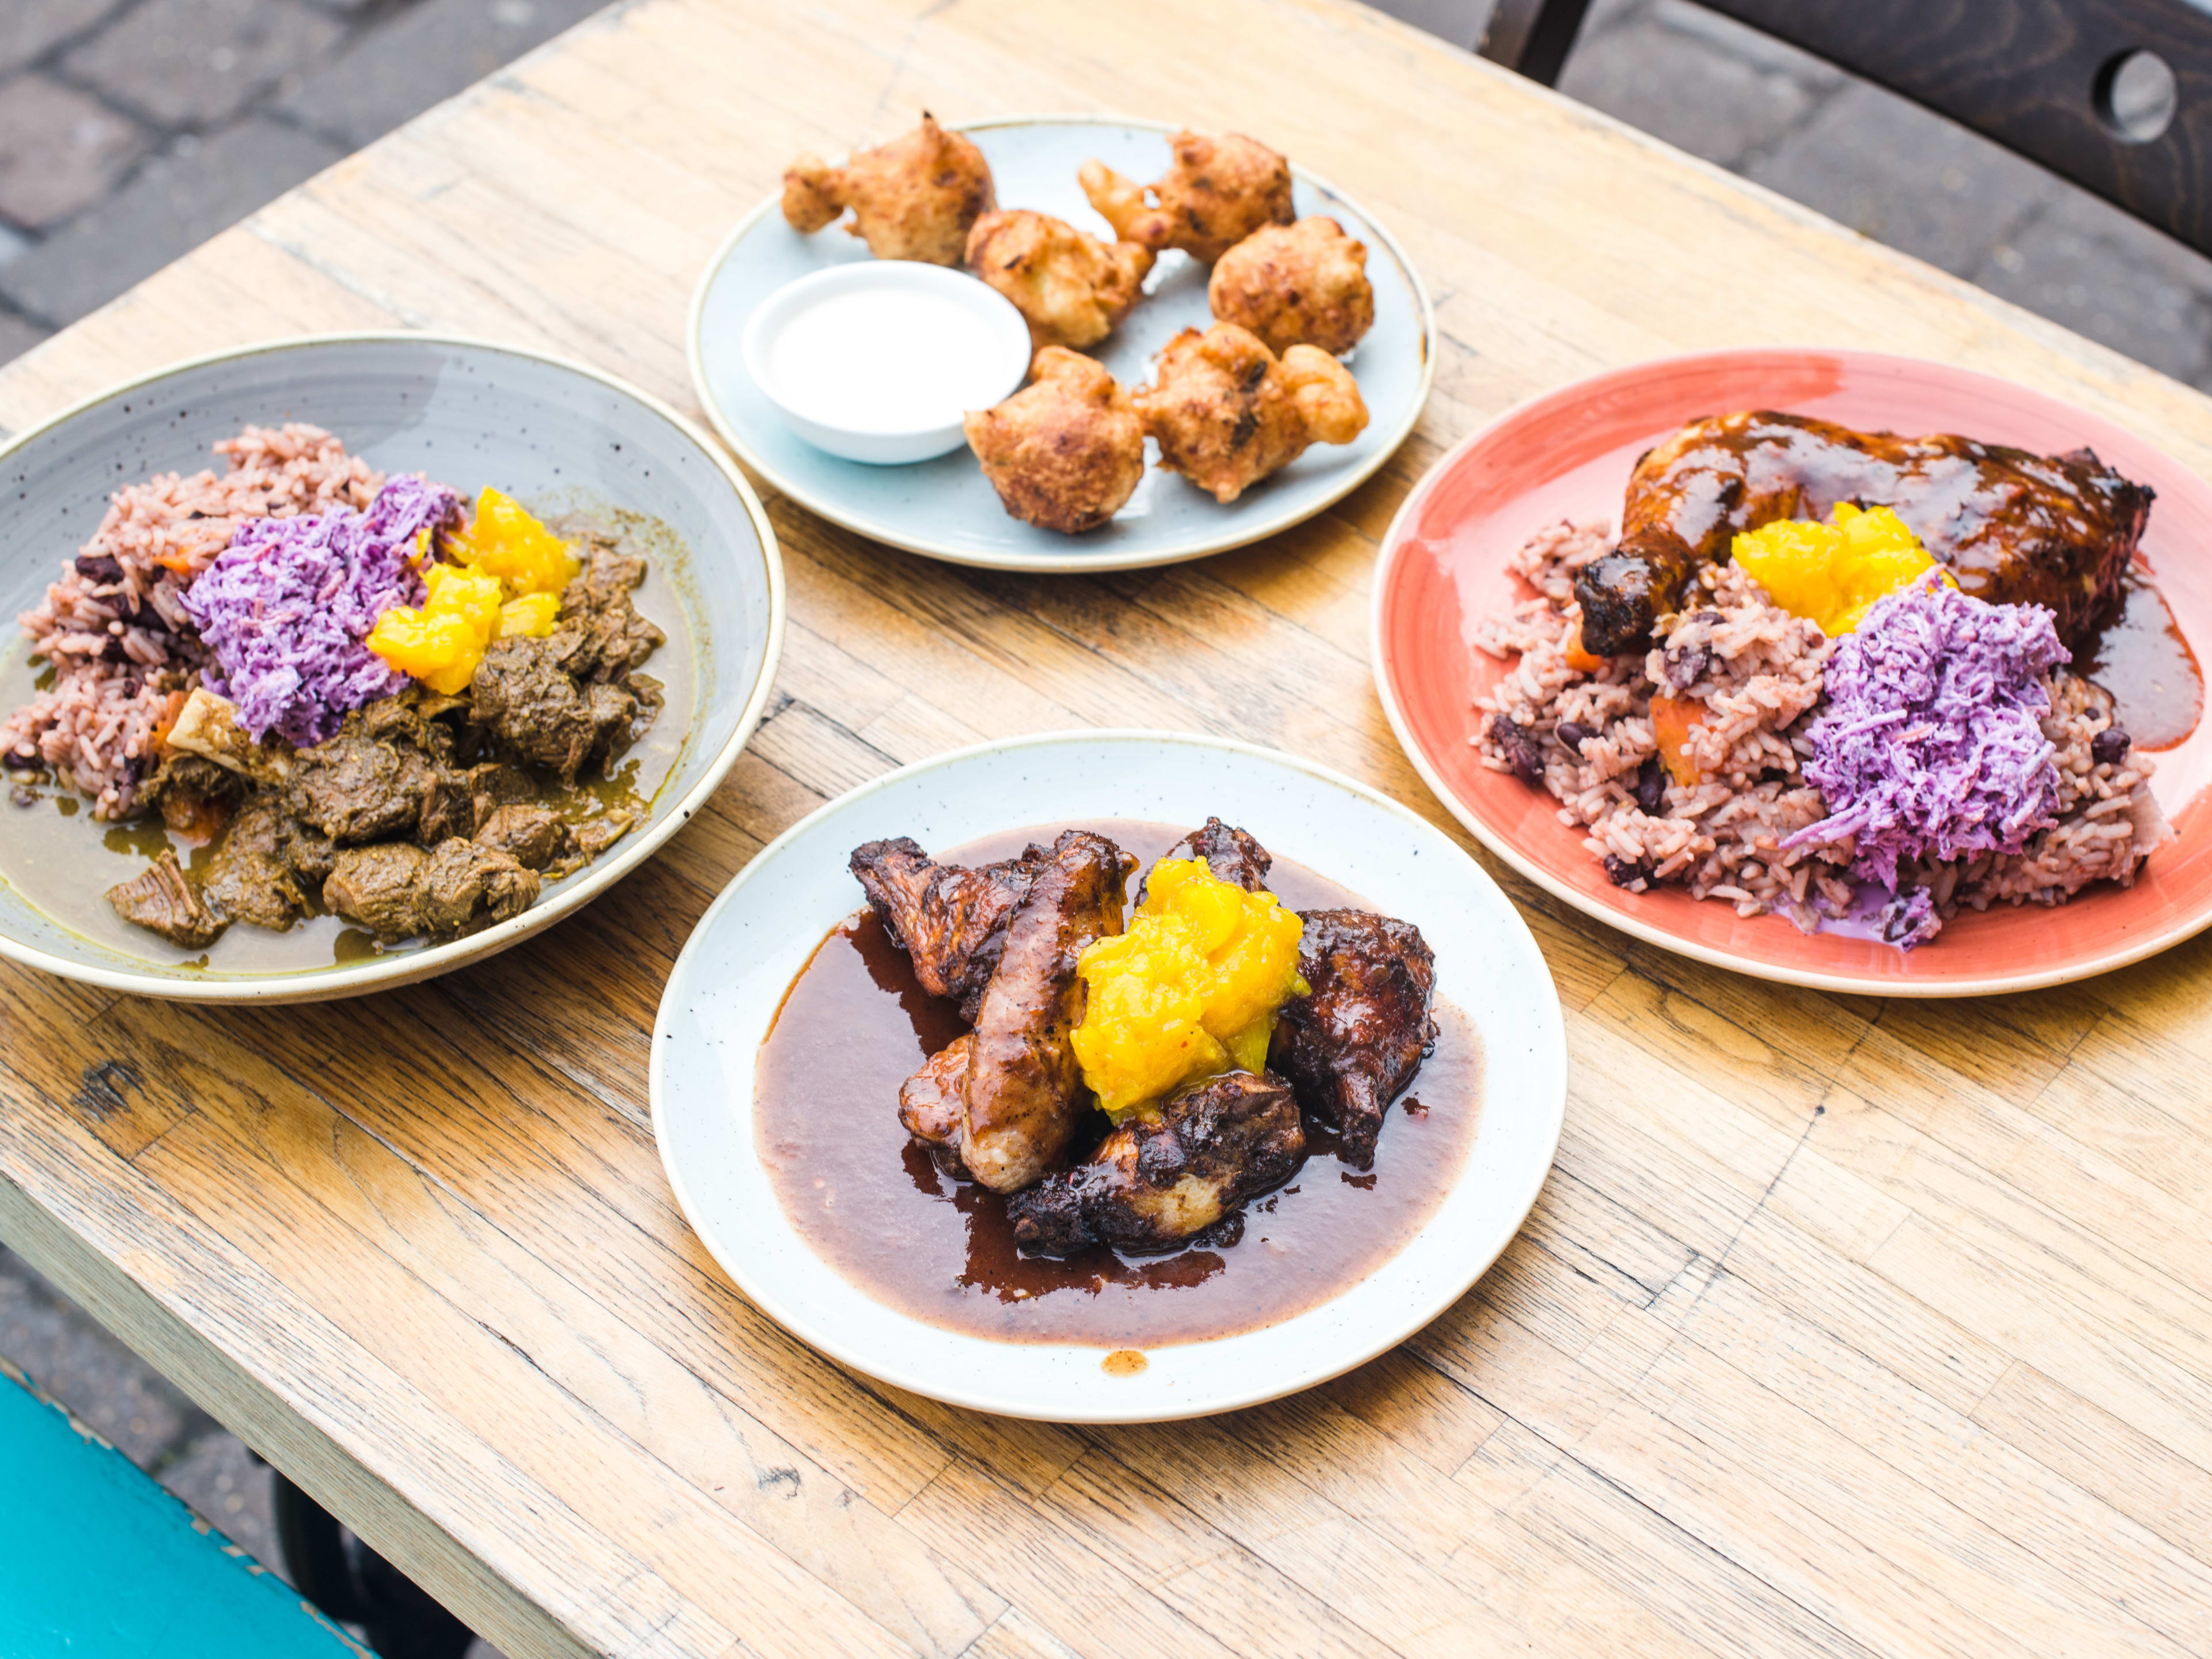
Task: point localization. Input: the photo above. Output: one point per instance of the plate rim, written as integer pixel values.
(887, 1368)
(1074, 561)
(1397, 537)
(331, 984)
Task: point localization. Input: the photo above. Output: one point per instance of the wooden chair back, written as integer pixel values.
(2114, 94)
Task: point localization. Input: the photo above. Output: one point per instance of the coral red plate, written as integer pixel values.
(1567, 455)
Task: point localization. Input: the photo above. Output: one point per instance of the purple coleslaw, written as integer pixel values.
(285, 607)
(1932, 741)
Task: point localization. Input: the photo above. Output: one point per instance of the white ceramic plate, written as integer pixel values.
(946, 507)
(733, 972)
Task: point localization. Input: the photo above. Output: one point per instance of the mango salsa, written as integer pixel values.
(506, 542)
(1834, 573)
(508, 581)
(1192, 988)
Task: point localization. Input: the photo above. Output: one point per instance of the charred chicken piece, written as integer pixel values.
(1167, 1175)
(1021, 1104)
(1219, 191)
(1227, 414)
(929, 1104)
(2013, 527)
(1351, 1045)
(1232, 855)
(913, 198)
(950, 921)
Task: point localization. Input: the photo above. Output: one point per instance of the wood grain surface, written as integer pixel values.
(1842, 1327)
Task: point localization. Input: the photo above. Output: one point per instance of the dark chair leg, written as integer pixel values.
(1532, 37)
(355, 1585)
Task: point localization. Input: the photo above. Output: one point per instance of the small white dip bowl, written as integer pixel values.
(878, 360)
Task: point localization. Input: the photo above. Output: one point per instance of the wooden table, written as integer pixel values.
(1843, 1327)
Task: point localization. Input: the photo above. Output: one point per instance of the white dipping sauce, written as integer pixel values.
(886, 360)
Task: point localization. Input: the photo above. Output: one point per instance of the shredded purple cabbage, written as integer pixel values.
(285, 607)
(1932, 741)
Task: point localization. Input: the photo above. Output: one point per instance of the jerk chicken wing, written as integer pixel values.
(2012, 526)
(1358, 1038)
(1301, 284)
(1070, 288)
(1067, 451)
(950, 920)
(1020, 1105)
(1227, 413)
(1168, 1174)
(1218, 193)
(913, 198)
(1231, 855)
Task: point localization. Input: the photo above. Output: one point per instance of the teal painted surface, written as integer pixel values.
(97, 1562)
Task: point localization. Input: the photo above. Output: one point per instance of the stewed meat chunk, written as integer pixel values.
(160, 900)
(248, 881)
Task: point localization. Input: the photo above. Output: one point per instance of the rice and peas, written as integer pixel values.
(1939, 755)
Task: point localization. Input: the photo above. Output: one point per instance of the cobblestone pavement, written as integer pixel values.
(132, 129)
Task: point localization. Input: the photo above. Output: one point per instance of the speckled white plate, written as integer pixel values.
(554, 433)
(946, 507)
(733, 973)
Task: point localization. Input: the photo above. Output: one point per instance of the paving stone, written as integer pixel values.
(2105, 274)
(31, 28)
(422, 57)
(1677, 86)
(1904, 176)
(231, 1489)
(67, 1354)
(60, 151)
(199, 63)
(177, 201)
(17, 336)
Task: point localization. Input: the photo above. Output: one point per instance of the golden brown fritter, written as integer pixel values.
(1219, 191)
(1227, 413)
(1065, 453)
(1072, 287)
(1301, 284)
(913, 198)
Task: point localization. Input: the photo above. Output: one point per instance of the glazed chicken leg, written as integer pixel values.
(950, 920)
(1165, 1176)
(1020, 1105)
(1350, 1046)
(2013, 527)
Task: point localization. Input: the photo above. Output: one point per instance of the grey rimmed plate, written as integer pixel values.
(946, 507)
(556, 434)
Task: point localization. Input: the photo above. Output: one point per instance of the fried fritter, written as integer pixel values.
(1301, 284)
(1067, 451)
(1070, 287)
(913, 198)
(1219, 191)
(1227, 413)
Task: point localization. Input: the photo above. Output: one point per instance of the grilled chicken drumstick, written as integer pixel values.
(929, 1104)
(1166, 1175)
(1352, 1045)
(2012, 526)
(950, 920)
(1020, 1106)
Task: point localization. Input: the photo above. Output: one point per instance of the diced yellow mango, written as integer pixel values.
(1192, 988)
(533, 615)
(504, 541)
(1834, 573)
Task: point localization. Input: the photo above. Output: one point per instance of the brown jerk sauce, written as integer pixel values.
(854, 1025)
(2140, 656)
